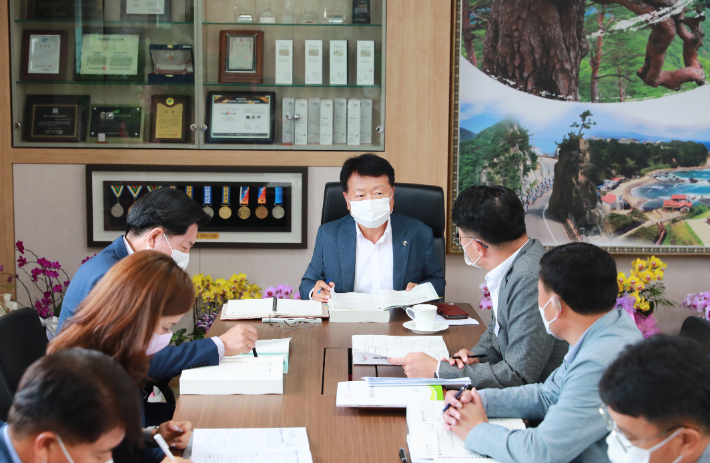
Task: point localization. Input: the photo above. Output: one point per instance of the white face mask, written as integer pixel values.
(468, 260)
(180, 258)
(546, 323)
(620, 450)
(371, 213)
(66, 454)
(158, 342)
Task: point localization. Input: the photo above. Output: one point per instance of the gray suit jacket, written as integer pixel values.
(523, 352)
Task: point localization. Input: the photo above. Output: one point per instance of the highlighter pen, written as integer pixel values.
(327, 282)
(163, 446)
(468, 386)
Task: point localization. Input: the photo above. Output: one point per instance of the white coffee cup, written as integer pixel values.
(423, 316)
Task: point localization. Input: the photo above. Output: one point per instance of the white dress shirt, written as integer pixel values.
(216, 339)
(494, 278)
(374, 262)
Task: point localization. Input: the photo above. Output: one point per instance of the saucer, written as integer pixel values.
(438, 326)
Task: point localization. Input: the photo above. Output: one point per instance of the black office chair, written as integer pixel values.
(422, 202)
(698, 329)
(23, 340)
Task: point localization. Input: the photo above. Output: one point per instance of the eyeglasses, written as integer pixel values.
(613, 428)
(291, 324)
(457, 240)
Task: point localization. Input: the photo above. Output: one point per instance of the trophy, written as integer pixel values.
(309, 15)
(266, 15)
(287, 17)
(335, 12)
(244, 11)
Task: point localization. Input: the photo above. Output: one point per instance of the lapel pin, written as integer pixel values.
(404, 243)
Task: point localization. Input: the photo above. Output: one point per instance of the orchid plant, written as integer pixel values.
(486, 301)
(48, 277)
(281, 292)
(699, 302)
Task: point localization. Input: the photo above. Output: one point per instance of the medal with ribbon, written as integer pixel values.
(261, 212)
(152, 187)
(278, 211)
(225, 212)
(207, 201)
(244, 211)
(188, 191)
(135, 191)
(117, 209)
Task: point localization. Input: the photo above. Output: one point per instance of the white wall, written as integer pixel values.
(50, 218)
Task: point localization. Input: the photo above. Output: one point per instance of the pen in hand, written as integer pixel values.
(468, 386)
(327, 282)
(163, 446)
(458, 357)
(254, 350)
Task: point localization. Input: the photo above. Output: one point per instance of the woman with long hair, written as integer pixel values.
(128, 316)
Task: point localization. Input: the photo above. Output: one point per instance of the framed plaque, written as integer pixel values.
(240, 117)
(116, 122)
(241, 57)
(145, 10)
(65, 10)
(252, 207)
(172, 64)
(170, 114)
(44, 55)
(110, 55)
(56, 118)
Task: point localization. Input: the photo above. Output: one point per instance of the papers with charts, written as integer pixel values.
(428, 440)
(385, 299)
(265, 445)
(376, 349)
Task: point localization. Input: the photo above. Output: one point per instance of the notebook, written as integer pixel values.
(385, 299)
(376, 349)
(255, 445)
(429, 441)
(357, 394)
(236, 375)
(269, 347)
(244, 309)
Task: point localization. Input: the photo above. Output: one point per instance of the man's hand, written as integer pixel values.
(417, 365)
(176, 433)
(239, 340)
(324, 294)
(463, 353)
(464, 414)
(411, 286)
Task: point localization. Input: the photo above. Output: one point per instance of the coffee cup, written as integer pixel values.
(423, 316)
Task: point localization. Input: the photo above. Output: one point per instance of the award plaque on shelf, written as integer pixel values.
(170, 116)
(241, 57)
(110, 55)
(44, 56)
(335, 12)
(116, 122)
(55, 118)
(65, 10)
(240, 117)
(145, 10)
(309, 15)
(361, 11)
(245, 11)
(171, 64)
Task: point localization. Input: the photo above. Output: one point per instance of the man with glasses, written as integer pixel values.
(515, 349)
(657, 403)
(577, 298)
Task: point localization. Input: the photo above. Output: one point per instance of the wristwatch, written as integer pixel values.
(148, 440)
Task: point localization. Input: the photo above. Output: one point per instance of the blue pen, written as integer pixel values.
(458, 395)
(327, 282)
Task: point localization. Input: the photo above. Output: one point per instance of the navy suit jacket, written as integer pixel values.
(334, 256)
(4, 451)
(167, 362)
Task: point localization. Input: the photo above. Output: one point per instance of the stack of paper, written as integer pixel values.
(385, 299)
(265, 445)
(398, 382)
(268, 347)
(376, 349)
(429, 441)
(239, 309)
(262, 375)
(357, 394)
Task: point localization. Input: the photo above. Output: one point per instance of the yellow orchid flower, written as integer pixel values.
(639, 286)
(622, 281)
(648, 276)
(659, 274)
(639, 265)
(633, 281)
(654, 263)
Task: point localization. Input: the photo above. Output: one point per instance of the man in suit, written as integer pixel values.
(371, 249)
(577, 298)
(165, 220)
(515, 348)
(657, 402)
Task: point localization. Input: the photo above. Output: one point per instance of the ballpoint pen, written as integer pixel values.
(403, 455)
(327, 282)
(458, 395)
(254, 350)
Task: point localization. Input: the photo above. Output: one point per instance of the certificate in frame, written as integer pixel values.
(65, 10)
(56, 118)
(145, 10)
(169, 116)
(44, 55)
(110, 55)
(240, 117)
(241, 57)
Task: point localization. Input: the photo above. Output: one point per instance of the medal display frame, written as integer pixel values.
(111, 191)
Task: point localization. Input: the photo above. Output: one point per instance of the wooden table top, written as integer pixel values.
(318, 360)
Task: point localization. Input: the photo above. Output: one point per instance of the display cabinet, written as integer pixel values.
(183, 74)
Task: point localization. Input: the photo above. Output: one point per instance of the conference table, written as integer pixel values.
(318, 361)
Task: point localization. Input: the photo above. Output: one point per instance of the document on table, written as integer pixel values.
(236, 375)
(385, 299)
(429, 440)
(268, 347)
(399, 382)
(357, 394)
(257, 445)
(376, 349)
(237, 309)
(456, 321)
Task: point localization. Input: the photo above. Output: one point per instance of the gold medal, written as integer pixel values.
(244, 212)
(225, 212)
(117, 210)
(261, 212)
(209, 211)
(278, 212)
